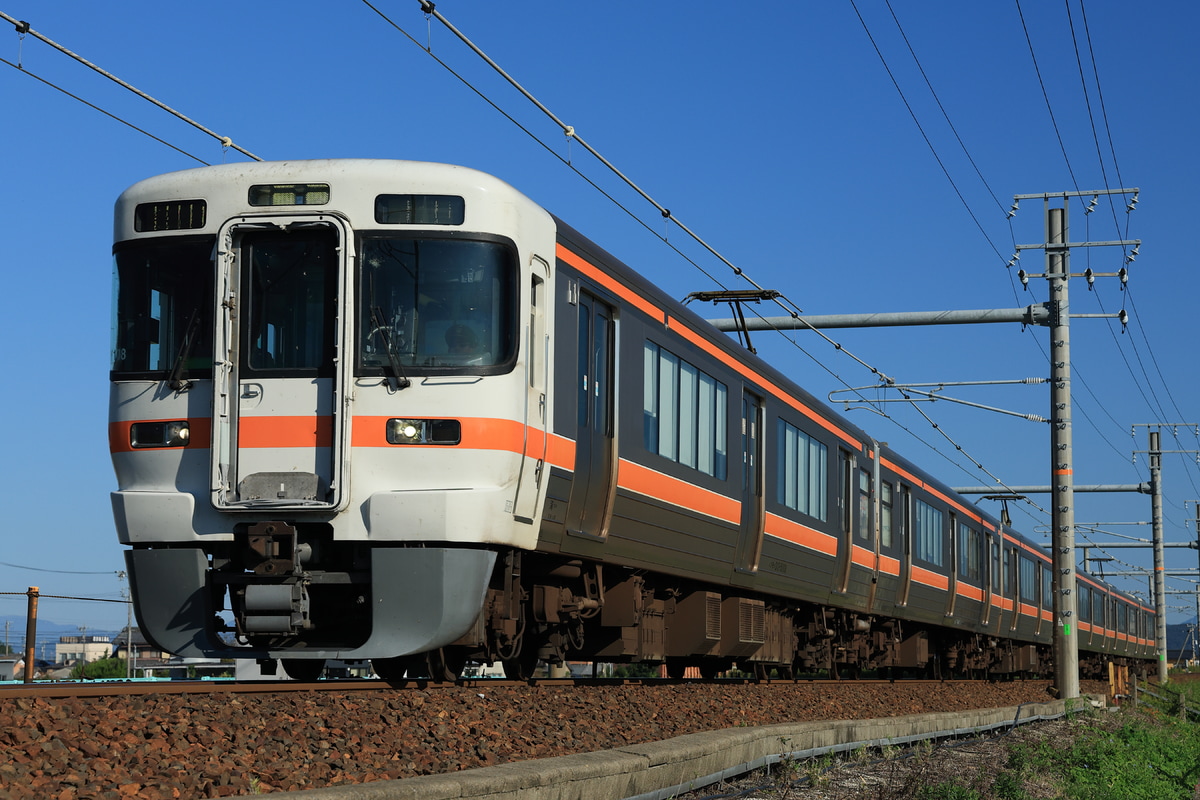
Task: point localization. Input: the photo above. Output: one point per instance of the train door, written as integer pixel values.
(589, 506)
(870, 512)
(952, 548)
(991, 581)
(277, 430)
(845, 509)
(537, 378)
(906, 545)
(749, 546)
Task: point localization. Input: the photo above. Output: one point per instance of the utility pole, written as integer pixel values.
(1156, 516)
(1062, 466)
(1160, 580)
(1197, 528)
(1057, 246)
(31, 632)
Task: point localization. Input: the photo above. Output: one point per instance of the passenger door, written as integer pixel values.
(589, 506)
(277, 430)
(750, 537)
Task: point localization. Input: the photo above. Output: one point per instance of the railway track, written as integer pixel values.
(115, 688)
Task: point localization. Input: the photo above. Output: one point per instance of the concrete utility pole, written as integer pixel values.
(1062, 466)
(1160, 580)
(1058, 246)
(1156, 515)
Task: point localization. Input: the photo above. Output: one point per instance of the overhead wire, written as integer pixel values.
(23, 29)
(1046, 96)
(573, 136)
(20, 68)
(936, 157)
(1153, 403)
(938, 100)
(785, 303)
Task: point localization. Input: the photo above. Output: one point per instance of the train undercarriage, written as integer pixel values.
(540, 608)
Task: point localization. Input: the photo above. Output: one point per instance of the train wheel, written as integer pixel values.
(305, 670)
(400, 668)
(447, 663)
(522, 667)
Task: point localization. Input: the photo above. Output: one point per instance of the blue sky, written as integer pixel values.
(773, 131)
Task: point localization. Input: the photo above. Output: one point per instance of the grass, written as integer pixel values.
(1148, 753)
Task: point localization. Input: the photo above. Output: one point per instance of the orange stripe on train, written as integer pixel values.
(648, 482)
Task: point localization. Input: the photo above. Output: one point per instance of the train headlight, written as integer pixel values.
(159, 434)
(424, 431)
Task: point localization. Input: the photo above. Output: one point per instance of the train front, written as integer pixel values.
(328, 403)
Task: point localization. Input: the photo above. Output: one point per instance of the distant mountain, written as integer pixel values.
(48, 631)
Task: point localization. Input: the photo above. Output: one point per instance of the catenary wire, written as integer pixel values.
(23, 28)
(25, 71)
(784, 302)
(225, 141)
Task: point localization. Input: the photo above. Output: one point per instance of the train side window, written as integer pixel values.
(1047, 587)
(535, 317)
(684, 412)
(1028, 579)
(970, 553)
(886, 534)
(802, 476)
(1010, 572)
(865, 517)
(1084, 603)
(930, 534)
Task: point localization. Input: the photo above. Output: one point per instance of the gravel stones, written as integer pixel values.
(219, 745)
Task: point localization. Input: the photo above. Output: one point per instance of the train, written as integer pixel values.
(396, 411)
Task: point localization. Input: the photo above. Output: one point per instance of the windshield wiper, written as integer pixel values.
(397, 380)
(176, 380)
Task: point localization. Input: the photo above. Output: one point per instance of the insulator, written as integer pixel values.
(1091, 278)
(1023, 277)
(1012, 211)
(1123, 274)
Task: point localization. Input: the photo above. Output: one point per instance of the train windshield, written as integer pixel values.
(163, 309)
(436, 306)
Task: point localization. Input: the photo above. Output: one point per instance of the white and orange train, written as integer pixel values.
(390, 410)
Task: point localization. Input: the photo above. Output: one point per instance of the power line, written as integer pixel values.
(58, 571)
(921, 129)
(1046, 96)
(942, 108)
(23, 29)
(24, 71)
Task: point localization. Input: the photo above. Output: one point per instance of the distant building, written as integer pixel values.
(142, 650)
(11, 669)
(81, 648)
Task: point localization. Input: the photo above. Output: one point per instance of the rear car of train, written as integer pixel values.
(328, 402)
